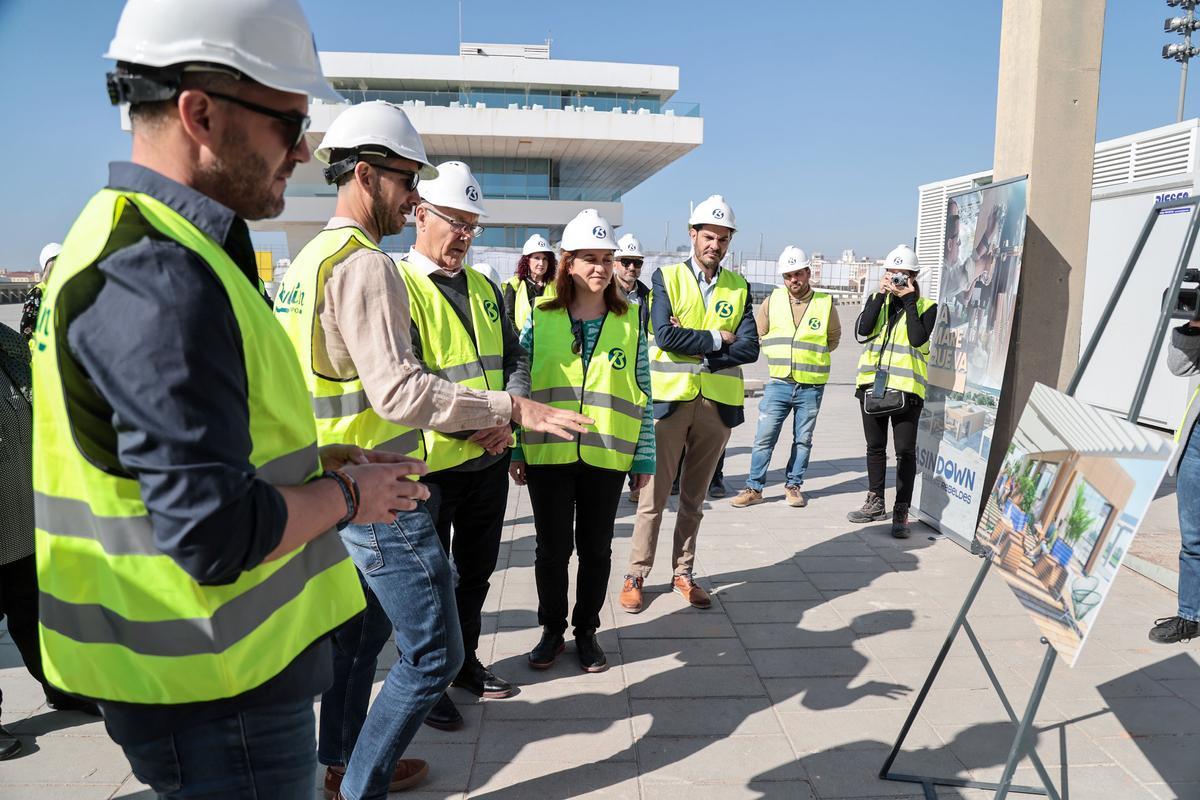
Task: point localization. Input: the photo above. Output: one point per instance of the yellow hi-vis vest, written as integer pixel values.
(521, 299)
(119, 619)
(608, 393)
(798, 352)
(676, 377)
(449, 351)
(343, 411)
(907, 366)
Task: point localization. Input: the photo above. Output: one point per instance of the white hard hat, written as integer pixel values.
(49, 252)
(454, 187)
(536, 244)
(269, 41)
(629, 247)
(374, 128)
(488, 271)
(902, 257)
(713, 211)
(791, 259)
(588, 231)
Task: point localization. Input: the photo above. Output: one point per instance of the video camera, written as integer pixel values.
(1187, 302)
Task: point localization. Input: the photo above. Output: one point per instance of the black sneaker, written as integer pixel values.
(444, 715)
(10, 745)
(872, 509)
(543, 655)
(1171, 630)
(481, 681)
(716, 489)
(900, 529)
(591, 656)
(60, 701)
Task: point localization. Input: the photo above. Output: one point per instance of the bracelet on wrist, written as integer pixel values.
(343, 483)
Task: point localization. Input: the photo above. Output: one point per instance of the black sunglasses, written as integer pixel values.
(413, 177)
(297, 123)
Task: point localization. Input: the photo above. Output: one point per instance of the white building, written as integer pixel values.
(1129, 175)
(546, 138)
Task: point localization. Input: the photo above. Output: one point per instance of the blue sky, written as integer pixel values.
(821, 118)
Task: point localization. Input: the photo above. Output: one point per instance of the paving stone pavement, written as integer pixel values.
(793, 686)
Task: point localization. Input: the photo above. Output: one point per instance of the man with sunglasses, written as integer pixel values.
(460, 332)
(187, 562)
(346, 310)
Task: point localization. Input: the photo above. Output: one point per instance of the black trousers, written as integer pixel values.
(574, 507)
(904, 438)
(19, 602)
(473, 503)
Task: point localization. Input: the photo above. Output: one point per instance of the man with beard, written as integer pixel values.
(704, 332)
(345, 307)
(188, 570)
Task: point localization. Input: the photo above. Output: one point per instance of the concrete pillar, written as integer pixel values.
(1046, 129)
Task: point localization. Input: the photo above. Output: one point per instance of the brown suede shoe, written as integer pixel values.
(635, 495)
(685, 586)
(631, 594)
(409, 772)
(747, 497)
(795, 498)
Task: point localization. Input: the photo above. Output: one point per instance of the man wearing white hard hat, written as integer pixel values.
(534, 279)
(189, 570)
(628, 272)
(460, 332)
(33, 300)
(345, 308)
(799, 328)
(703, 333)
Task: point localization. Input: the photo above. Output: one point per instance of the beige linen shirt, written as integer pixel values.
(366, 331)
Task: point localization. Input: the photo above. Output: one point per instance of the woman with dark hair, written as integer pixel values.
(587, 352)
(895, 324)
(534, 279)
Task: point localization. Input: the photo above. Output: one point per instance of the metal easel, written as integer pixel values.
(1022, 744)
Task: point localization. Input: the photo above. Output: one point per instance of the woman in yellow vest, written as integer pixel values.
(895, 325)
(534, 279)
(587, 352)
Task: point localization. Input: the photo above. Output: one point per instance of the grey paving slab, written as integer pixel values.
(720, 716)
(701, 760)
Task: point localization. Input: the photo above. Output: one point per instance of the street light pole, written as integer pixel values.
(1181, 52)
(1187, 43)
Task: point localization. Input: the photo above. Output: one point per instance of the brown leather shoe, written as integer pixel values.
(408, 773)
(747, 497)
(635, 495)
(631, 594)
(795, 498)
(685, 586)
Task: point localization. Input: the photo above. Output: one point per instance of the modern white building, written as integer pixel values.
(1129, 175)
(546, 138)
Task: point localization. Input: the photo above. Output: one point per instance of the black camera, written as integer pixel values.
(899, 281)
(1187, 302)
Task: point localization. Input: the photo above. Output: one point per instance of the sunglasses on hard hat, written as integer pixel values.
(297, 123)
(413, 178)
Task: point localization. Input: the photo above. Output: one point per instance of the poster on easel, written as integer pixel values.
(1073, 489)
(985, 235)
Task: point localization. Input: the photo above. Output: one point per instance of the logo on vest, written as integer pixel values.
(289, 300)
(472, 194)
(490, 309)
(814, 324)
(724, 309)
(616, 357)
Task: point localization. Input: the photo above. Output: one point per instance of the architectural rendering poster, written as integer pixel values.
(1074, 486)
(985, 234)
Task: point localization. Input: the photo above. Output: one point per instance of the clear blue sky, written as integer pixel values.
(820, 118)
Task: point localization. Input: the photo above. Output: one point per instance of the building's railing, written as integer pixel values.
(575, 193)
(531, 100)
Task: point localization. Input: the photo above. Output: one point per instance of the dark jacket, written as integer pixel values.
(692, 342)
(920, 326)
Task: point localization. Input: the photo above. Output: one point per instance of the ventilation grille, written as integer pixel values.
(1157, 157)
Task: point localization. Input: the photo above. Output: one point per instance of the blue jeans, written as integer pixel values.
(258, 754)
(410, 595)
(1187, 491)
(780, 398)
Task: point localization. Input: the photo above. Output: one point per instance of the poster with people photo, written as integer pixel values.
(981, 270)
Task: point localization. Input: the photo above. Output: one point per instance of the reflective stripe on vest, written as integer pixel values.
(120, 620)
(907, 366)
(676, 377)
(798, 352)
(451, 353)
(342, 410)
(521, 300)
(609, 393)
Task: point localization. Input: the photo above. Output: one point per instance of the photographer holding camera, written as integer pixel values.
(895, 324)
